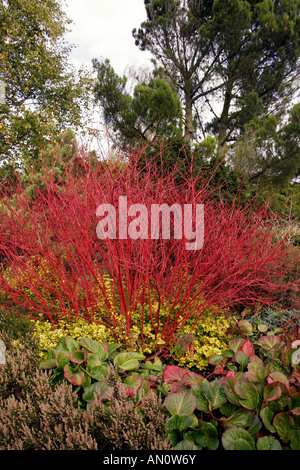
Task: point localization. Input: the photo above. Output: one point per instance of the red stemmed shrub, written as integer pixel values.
(54, 265)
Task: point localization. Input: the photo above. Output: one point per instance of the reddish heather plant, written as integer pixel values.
(54, 263)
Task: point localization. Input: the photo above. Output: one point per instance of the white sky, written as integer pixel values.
(103, 29)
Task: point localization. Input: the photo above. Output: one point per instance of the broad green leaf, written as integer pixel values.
(227, 353)
(112, 349)
(262, 327)
(128, 360)
(101, 350)
(284, 425)
(228, 409)
(276, 365)
(74, 377)
(295, 441)
(216, 394)
(180, 403)
(78, 356)
(268, 443)
(242, 359)
(235, 344)
(48, 364)
(98, 372)
(87, 380)
(202, 402)
(240, 418)
(185, 445)
(267, 416)
(156, 365)
(134, 381)
(279, 377)
(181, 422)
(215, 359)
(229, 390)
(256, 369)
(207, 436)
(62, 358)
(248, 394)
(268, 342)
(255, 426)
(93, 360)
(245, 326)
(100, 388)
(272, 392)
(175, 436)
(236, 438)
(71, 343)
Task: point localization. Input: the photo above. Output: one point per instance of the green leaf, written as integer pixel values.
(279, 377)
(284, 425)
(248, 394)
(202, 402)
(98, 372)
(175, 437)
(181, 422)
(215, 359)
(71, 344)
(240, 418)
(100, 350)
(228, 409)
(272, 392)
(268, 443)
(128, 360)
(112, 349)
(235, 344)
(87, 380)
(185, 445)
(262, 327)
(74, 377)
(48, 364)
(100, 388)
(245, 326)
(267, 416)
(93, 360)
(134, 381)
(207, 436)
(256, 369)
(232, 396)
(181, 403)
(62, 358)
(268, 342)
(78, 356)
(295, 441)
(236, 438)
(255, 426)
(216, 394)
(156, 365)
(242, 359)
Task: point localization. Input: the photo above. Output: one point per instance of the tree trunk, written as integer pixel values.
(224, 119)
(189, 126)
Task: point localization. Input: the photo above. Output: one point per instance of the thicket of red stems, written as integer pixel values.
(241, 263)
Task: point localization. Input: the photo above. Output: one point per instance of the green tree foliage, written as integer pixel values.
(240, 55)
(152, 113)
(43, 94)
(171, 34)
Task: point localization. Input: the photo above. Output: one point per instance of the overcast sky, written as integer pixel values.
(103, 28)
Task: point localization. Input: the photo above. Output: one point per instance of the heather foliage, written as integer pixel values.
(38, 414)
